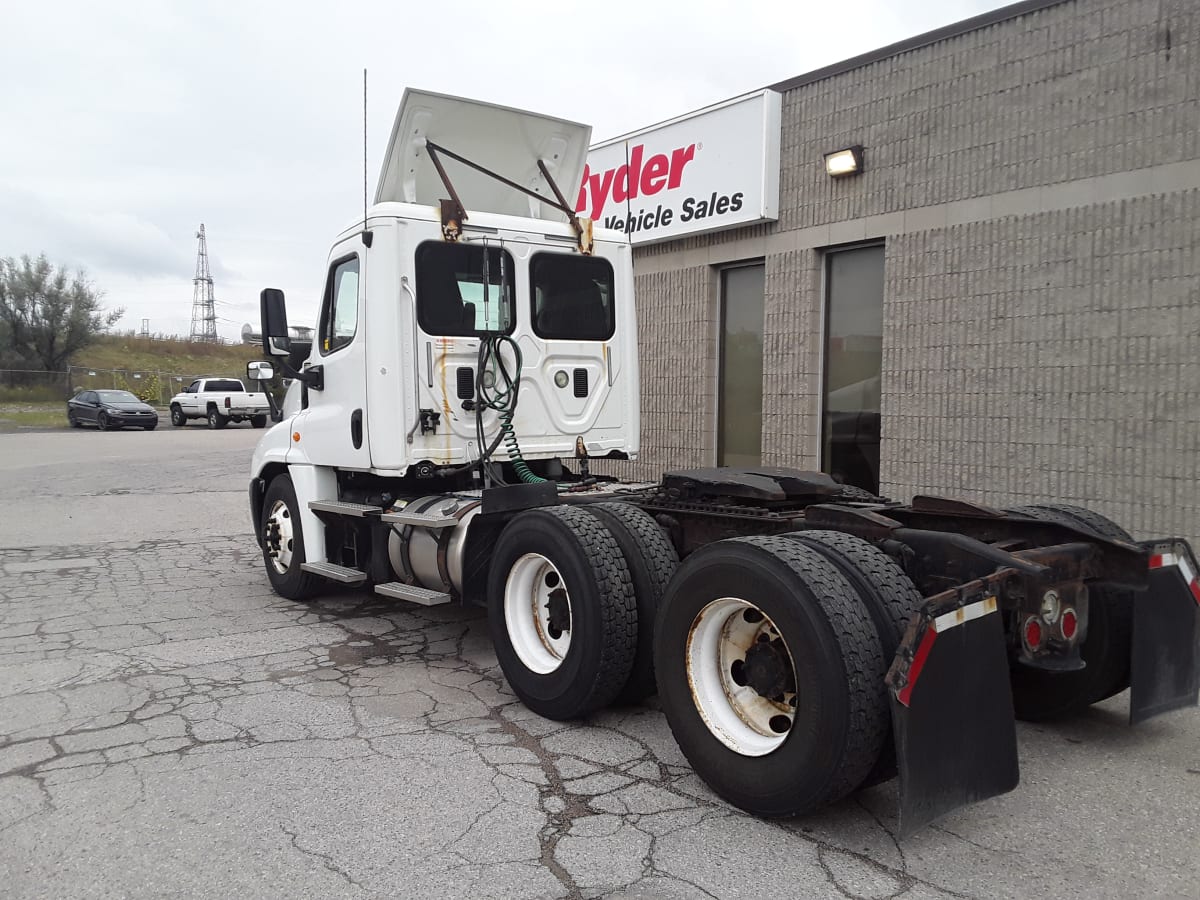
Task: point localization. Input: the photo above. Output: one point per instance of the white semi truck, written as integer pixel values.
(805, 639)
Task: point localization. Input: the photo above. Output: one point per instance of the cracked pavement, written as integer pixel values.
(169, 726)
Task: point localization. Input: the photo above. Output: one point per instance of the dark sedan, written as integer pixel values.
(110, 410)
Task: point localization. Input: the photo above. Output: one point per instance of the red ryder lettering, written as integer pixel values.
(628, 181)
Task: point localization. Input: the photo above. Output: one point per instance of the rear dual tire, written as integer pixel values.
(770, 673)
(562, 612)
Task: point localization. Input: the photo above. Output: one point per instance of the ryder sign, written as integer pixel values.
(712, 169)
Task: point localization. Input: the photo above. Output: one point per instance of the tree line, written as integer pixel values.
(47, 314)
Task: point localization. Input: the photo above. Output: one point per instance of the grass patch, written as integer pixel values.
(32, 415)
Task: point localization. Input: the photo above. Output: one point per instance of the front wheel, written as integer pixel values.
(561, 611)
(178, 419)
(770, 674)
(258, 421)
(283, 542)
(217, 421)
(103, 422)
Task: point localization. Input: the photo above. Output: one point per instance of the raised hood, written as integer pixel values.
(507, 141)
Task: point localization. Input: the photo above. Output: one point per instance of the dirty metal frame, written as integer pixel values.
(454, 213)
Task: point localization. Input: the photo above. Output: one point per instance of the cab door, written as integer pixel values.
(332, 421)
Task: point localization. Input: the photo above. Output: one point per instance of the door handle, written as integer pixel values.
(356, 429)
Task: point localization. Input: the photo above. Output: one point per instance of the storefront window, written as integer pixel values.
(853, 364)
(739, 416)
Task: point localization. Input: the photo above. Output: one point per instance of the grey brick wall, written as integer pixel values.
(1036, 183)
(1050, 356)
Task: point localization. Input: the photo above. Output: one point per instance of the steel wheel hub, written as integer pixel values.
(742, 676)
(537, 613)
(278, 537)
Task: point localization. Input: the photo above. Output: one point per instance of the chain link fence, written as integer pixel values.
(153, 386)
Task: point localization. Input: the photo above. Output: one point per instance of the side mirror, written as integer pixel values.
(273, 311)
(259, 371)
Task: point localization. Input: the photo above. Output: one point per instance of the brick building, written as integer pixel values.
(1002, 305)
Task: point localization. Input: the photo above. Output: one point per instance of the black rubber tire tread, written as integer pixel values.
(597, 665)
(295, 584)
(216, 420)
(258, 421)
(103, 423)
(1040, 696)
(829, 629)
(888, 595)
(652, 561)
(178, 419)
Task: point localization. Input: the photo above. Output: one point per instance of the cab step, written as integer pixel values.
(334, 572)
(344, 508)
(411, 592)
(420, 519)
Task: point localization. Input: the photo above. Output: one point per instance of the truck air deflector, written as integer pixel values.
(1165, 666)
(952, 707)
(503, 140)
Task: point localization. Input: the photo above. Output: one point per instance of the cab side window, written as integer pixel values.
(339, 315)
(192, 388)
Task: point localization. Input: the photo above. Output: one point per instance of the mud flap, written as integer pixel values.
(1165, 667)
(952, 708)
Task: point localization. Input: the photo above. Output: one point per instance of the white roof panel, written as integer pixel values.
(507, 141)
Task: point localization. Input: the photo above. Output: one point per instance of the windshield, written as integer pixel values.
(117, 397)
(572, 297)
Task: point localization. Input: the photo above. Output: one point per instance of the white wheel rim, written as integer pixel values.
(535, 587)
(737, 714)
(278, 536)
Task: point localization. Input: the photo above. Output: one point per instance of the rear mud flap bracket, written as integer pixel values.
(952, 707)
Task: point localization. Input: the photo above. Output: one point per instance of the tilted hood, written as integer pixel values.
(507, 141)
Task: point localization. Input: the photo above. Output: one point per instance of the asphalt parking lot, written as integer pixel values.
(169, 727)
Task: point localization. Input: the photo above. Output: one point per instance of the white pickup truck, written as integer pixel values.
(220, 401)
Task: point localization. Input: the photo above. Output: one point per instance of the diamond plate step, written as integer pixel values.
(423, 520)
(412, 593)
(335, 572)
(343, 508)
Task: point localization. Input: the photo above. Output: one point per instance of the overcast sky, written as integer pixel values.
(125, 125)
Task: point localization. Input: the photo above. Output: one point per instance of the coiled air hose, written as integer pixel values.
(501, 398)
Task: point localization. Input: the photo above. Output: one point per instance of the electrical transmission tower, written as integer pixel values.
(204, 307)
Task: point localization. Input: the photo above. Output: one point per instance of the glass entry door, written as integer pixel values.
(739, 410)
(853, 365)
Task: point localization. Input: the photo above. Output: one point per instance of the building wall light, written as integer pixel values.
(841, 163)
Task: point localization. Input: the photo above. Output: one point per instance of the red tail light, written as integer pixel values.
(1032, 633)
(227, 403)
(1070, 624)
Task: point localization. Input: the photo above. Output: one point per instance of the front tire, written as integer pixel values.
(103, 422)
(178, 419)
(258, 421)
(283, 542)
(216, 421)
(561, 612)
(1041, 696)
(771, 675)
